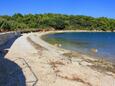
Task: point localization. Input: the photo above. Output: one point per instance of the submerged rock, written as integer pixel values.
(94, 50)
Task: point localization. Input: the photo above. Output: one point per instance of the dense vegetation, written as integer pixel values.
(55, 21)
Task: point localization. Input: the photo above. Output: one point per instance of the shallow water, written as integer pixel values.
(86, 42)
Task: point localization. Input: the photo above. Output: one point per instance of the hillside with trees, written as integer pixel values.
(55, 21)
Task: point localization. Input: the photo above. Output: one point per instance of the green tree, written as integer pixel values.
(4, 25)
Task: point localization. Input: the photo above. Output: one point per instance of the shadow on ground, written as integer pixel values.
(11, 74)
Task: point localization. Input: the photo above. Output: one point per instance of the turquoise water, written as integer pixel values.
(85, 42)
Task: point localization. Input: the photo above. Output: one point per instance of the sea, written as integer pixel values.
(97, 44)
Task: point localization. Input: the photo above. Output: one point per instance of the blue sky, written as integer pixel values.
(95, 8)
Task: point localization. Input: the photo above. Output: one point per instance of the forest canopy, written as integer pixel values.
(55, 21)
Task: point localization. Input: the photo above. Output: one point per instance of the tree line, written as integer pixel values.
(55, 21)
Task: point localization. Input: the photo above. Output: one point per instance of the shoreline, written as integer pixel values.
(91, 56)
(55, 66)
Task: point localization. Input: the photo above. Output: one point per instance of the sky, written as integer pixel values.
(95, 8)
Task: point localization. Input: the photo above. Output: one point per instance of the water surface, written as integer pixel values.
(86, 42)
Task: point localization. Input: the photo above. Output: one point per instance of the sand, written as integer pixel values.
(49, 66)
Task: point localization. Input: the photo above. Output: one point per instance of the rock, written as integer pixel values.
(94, 50)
